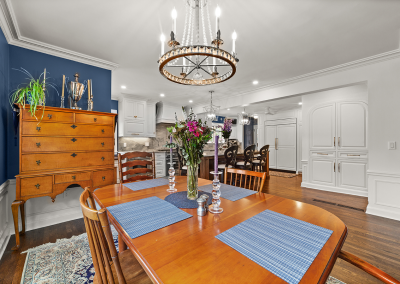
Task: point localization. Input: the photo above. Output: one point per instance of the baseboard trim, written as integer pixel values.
(382, 213)
(4, 239)
(334, 189)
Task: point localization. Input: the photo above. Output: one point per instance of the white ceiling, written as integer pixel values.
(277, 39)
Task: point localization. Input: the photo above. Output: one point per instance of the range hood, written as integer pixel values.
(166, 112)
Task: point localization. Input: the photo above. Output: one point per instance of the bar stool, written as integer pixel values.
(230, 159)
(248, 158)
(260, 164)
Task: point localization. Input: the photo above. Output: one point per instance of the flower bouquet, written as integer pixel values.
(192, 135)
(227, 128)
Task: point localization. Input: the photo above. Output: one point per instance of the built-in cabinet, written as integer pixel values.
(136, 117)
(281, 136)
(338, 146)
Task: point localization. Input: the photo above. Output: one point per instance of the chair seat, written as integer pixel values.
(257, 162)
(132, 270)
(223, 166)
(241, 163)
(184, 168)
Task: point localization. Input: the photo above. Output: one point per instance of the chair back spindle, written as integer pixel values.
(244, 178)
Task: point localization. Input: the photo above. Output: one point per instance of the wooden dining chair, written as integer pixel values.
(230, 159)
(246, 179)
(248, 158)
(259, 164)
(369, 268)
(137, 166)
(110, 266)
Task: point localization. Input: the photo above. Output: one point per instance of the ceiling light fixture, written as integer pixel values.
(162, 95)
(228, 109)
(123, 87)
(193, 56)
(300, 103)
(190, 101)
(211, 110)
(244, 118)
(255, 82)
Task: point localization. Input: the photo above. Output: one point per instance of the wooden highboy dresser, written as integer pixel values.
(67, 147)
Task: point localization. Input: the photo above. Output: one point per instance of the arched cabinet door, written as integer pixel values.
(323, 127)
(352, 126)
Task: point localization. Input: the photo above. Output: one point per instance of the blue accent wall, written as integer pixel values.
(4, 105)
(35, 63)
(114, 104)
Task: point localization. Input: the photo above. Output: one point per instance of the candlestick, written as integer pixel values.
(170, 149)
(63, 86)
(44, 80)
(91, 90)
(216, 154)
(216, 193)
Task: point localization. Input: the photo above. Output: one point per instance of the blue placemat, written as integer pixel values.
(179, 199)
(281, 244)
(229, 192)
(146, 215)
(146, 184)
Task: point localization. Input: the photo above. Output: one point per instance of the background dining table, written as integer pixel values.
(189, 252)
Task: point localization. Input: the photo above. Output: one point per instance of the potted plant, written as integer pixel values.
(33, 92)
(227, 129)
(192, 135)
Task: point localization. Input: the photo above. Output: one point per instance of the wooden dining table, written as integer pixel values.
(189, 252)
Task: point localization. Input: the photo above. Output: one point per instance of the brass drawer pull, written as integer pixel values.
(74, 139)
(95, 119)
(322, 154)
(102, 130)
(135, 134)
(104, 178)
(73, 177)
(74, 155)
(350, 155)
(38, 128)
(37, 186)
(102, 143)
(74, 126)
(102, 158)
(49, 116)
(38, 162)
(135, 116)
(38, 144)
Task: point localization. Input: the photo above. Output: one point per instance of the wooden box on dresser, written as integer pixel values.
(67, 147)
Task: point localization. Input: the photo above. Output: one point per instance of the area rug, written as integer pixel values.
(68, 261)
(281, 174)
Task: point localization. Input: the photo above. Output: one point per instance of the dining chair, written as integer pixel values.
(367, 267)
(110, 266)
(136, 166)
(248, 158)
(260, 163)
(230, 159)
(246, 179)
(182, 169)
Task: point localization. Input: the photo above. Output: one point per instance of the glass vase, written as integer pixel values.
(192, 181)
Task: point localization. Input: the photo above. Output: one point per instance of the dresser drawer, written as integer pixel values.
(36, 185)
(92, 118)
(66, 129)
(159, 156)
(49, 115)
(160, 164)
(103, 178)
(40, 162)
(53, 144)
(72, 177)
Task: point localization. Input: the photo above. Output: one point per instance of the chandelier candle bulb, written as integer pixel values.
(174, 15)
(217, 15)
(234, 37)
(162, 38)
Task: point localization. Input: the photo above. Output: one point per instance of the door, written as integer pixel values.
(270, 139)
(286, 147)
(352, 174)
(323, 171)
(322, 127)
(352, 126)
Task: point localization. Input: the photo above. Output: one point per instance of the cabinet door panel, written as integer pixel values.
(140, 110)
(129, 109)
(286, 159)
(353, 174)
(134, 128)
(270, 135)
(286, 145)
(352, 125)
(322, 124)
(322, 171)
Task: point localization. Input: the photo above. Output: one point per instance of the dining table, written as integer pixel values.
(189, 252)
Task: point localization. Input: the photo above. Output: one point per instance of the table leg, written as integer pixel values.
(121, 244)
(14, 209)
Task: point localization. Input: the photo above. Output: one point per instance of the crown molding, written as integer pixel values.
(9, 26)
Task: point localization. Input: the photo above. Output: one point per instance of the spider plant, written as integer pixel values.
(33, 92)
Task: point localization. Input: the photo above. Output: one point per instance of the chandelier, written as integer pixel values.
(244, 118)
(211, 110)
(190, 61)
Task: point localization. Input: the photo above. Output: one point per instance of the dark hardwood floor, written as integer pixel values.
(374, 239)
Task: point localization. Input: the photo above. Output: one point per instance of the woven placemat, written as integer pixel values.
(179, 199)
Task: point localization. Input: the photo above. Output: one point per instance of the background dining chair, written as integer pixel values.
(230, 159)
(259, 164)
(246, 179)
(369, 268)
(109, 266)
(248, 158)
(137, 166)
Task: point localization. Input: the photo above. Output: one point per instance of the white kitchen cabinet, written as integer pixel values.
(151, 119)
(160, 165)
(352, 174)
(323, 127)
(270, 139)
(134, 128)
(323, 171)
(352, 126)
(134, 109)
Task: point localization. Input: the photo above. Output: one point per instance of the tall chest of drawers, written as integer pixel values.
(67, 147)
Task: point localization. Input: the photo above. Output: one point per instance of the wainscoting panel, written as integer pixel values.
(5, 212)
(384, 195)
(304, 169)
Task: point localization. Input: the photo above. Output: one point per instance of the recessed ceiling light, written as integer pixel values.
(229, 109)
(300, 103)
(190, 101)
(162, 95)
(255, 82)
(123, 87)
(245, 105)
